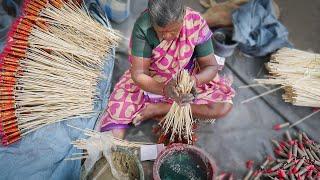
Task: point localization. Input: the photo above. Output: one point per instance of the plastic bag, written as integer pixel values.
(96, 148)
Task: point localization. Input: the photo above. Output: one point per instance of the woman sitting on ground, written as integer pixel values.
(167, 38)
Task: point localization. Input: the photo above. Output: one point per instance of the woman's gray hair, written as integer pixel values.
(164, 12)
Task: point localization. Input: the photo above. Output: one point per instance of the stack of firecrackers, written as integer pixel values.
(15, 49)
(19, 52)
(297, 158)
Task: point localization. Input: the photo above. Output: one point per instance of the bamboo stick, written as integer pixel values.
(298, 73)
(179, 120)
(54, 65)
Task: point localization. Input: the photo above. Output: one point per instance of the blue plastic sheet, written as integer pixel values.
(257, 29)
(9, 9)
(41, 154)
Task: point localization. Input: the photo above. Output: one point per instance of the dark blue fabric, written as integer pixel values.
(257, 29)
(118, 13)
(9, 10)
(41, 154)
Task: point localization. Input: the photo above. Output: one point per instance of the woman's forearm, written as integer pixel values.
(206, 74)
(147, 83)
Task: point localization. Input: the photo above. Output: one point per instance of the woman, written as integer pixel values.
(167, 38)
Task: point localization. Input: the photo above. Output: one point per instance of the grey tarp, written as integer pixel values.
(257, 29)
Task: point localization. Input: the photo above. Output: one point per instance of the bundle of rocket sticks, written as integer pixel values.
(50, 66)
(298, 73)
(179, 121)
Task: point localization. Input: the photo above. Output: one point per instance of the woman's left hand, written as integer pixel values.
(171, 92)
(194, 92)
(186, 99)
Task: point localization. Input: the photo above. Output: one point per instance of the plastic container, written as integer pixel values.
(117, 10)
(182, 161)
(223, 44)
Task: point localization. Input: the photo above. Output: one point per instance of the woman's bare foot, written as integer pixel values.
(151, 111)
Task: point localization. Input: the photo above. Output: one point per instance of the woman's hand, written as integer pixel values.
(194, 91)
(171, 92)
(141, 76)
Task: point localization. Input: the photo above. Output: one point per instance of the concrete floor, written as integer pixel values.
(246, 132)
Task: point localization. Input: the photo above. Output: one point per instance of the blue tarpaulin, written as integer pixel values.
(257, 29)
(9, 10)
(41, 154)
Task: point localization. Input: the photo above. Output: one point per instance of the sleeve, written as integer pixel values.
(204, 49)
(140, 46)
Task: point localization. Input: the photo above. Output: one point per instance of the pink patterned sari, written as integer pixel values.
(168, 58)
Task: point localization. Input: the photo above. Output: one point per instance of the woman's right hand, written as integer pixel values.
(171, 92)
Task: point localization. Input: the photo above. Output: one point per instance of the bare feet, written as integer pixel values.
(151, 111)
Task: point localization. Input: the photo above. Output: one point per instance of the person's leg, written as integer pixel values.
(202, 111)
(122, 105)
(119, 133)
(211, 111)
(151, 111)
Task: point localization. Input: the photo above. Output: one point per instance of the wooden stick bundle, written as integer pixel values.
(179, 121)
(50, 66)
(299, 74)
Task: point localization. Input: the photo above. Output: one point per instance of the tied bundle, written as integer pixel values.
(298, 73)
(107, 145)
(50, 66)
(99, 141)
(178, 123)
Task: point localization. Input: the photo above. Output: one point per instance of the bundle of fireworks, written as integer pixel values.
(178, 124)
(50, 66)
(296, 158)
(298, 73)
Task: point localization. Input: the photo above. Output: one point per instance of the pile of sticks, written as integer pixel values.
(298, 73)
(297, 158)
(178, 123)
(50, 67)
